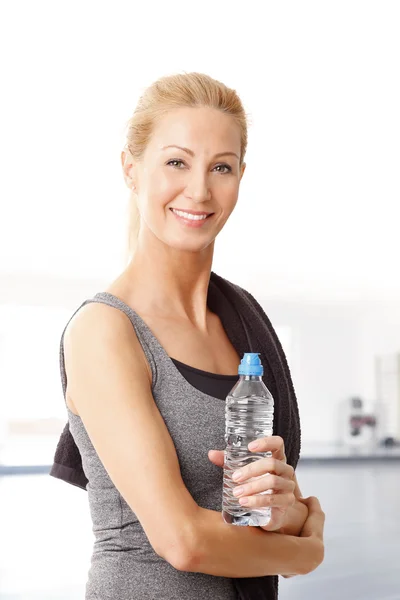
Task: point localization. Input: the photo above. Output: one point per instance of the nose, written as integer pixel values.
(197, 188)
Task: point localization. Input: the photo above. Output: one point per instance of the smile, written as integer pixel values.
(190, 220)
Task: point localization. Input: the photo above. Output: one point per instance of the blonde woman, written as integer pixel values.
(146, 366)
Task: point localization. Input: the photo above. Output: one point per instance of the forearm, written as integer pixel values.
(233, 551)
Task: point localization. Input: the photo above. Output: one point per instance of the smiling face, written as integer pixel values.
(191, 163)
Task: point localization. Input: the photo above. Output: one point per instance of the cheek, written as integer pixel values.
(162, 188)
(227, 194)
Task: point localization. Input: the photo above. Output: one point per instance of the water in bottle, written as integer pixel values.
(249, 414)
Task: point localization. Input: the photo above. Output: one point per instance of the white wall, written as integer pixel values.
(325, 364)
(380, 335)
(320, 193)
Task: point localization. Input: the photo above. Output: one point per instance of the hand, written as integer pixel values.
(313, 527)
(275, 475)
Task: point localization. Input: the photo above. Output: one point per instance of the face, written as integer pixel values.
(190, 164)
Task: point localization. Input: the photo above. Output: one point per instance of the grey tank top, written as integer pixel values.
(124, 565)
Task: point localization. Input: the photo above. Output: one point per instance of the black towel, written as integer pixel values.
(250, 330)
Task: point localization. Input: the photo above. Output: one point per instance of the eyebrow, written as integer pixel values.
(192, 153)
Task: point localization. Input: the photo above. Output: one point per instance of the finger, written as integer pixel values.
(264, 500)
(272, 443)
(315, 521)
(268, 482)
(216, 457)
(263, 466)
(312, 502)
(314, 526)
(276, 520)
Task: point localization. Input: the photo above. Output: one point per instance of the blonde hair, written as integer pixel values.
(170, 92)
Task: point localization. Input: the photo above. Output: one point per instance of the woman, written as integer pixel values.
(142, 429)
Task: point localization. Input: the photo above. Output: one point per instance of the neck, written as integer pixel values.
(169, 282)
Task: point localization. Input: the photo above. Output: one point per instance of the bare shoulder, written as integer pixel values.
(99, 327)
(96, 316)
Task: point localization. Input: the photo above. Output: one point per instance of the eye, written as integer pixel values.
(175, 160)
(229, 169)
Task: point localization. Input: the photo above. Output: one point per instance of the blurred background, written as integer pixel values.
(318, 210)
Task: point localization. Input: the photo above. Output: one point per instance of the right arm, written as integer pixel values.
(234, 551)
(109, 382)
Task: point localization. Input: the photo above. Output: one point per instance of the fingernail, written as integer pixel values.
(238, 491)
(253, 445)
(243, 501)
(236, 475)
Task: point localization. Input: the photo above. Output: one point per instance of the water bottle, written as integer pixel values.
(249, 413)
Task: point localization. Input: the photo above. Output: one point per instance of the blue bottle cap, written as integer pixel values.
(251, 364)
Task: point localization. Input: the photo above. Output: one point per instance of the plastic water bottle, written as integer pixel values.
(249, 414)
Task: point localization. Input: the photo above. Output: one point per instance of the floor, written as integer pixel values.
(46, 537)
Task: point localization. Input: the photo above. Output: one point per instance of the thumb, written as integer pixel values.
(216, 457)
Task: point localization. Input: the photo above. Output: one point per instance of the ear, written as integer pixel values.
(128, 169)
(243, 170)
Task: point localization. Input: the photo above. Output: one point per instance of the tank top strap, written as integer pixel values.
(61, 353)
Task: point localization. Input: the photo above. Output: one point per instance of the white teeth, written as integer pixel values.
(189, 216)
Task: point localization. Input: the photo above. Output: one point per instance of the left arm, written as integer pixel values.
(295, 516)
(288, 513)
(297, 491)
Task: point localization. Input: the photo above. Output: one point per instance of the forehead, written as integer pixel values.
(199, 128)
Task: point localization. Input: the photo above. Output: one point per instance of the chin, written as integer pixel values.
(187, 246)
